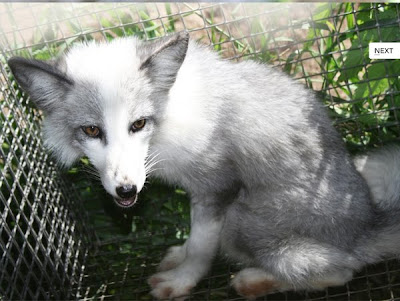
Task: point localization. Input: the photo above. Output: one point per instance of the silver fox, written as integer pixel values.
(270, 181)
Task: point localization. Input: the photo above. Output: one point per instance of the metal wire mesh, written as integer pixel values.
(43, 240)
(49, 249)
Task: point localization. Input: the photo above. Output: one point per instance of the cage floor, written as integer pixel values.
(131, 244)
(112, 274)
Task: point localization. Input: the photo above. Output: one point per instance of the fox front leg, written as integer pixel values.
(192, 260)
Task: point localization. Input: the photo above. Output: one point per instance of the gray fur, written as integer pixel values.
(44, 82)
(379, 168)
(162, 60)
(271, 183)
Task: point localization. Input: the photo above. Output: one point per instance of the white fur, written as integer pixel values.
(175, 256)
(246, 278)
(379, 168)
(108, 64)
(189, 122)
(185, 130)
(335, 279)
(122, 160)
(197, 256)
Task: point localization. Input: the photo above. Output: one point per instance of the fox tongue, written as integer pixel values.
(126, 202)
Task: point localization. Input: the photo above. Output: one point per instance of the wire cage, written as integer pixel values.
(61, 235)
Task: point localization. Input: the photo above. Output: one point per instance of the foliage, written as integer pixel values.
(363, 94)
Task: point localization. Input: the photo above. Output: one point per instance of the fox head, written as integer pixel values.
(104, 101)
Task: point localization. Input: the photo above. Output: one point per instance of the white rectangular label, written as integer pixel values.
(384, 50)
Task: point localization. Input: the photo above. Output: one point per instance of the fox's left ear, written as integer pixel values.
(162, 59)
(45, 83)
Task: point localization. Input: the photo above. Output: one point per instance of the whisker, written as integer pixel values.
(153, 156)
(152, 170)
(151, 159)
(91, 172)
(149, 166)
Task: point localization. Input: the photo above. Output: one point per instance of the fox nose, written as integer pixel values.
(126, 191)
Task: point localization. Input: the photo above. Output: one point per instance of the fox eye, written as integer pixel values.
(138, 125)
(92, 131)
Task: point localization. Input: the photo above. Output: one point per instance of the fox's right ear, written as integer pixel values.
(162, 59)
(45, 83)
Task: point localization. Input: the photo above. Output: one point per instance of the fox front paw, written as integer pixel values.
(171, 285)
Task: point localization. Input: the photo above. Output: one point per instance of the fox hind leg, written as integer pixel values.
(300, 264)
(252, 283)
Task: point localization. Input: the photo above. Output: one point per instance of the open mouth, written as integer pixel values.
(126, 203)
